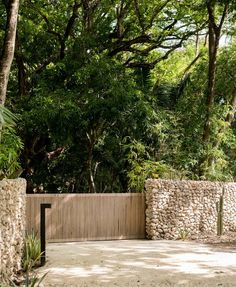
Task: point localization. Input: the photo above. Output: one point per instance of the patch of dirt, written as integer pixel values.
(227, 240)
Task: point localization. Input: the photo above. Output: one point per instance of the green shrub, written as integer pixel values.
(10, 145)
(30, 281)
(184, 234)
(33, 281)
(32, 252)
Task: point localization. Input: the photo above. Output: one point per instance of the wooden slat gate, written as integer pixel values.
(77, 217)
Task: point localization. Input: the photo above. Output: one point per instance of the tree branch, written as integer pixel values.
(139, 16)
(156, 11)
(151, 65)
(69, 28)
(62, 38)
(211, 16)
(223, 16)
(39, 69)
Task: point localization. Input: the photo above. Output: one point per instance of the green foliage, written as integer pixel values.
(143, 166)
(32, 280)
(134, 135)
(35, 281)
(30, 260)
(184, 234)
(192, 112)
(31, 252)
(149, 169)
(89, 113)
(10, 144)
(116, 94)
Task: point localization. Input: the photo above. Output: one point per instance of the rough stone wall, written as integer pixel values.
(179, 208)
(12, 226)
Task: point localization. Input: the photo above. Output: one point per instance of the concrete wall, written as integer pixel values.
(178, 207)
(12, 226)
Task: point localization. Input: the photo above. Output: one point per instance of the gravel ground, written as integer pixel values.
(131, 263)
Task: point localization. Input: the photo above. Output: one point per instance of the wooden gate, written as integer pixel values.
(77, 217)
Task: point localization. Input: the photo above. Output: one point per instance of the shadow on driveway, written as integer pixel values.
(139, 263)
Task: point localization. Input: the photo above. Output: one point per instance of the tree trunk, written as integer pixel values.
(22, 72)
(92, 188)
(213, 45)
(91, 142)
(214, 33)
(12, 7)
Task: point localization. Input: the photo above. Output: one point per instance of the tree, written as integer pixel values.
(12, 7)
(214, 34)
(139, 34)
(120, 91)
(10, 143)
(215, 11)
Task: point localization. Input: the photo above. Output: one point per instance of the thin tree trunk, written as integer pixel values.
(214, 33)
(197, 45)
(92, 187)
(213, 45)
(22, 75)
(12, 7)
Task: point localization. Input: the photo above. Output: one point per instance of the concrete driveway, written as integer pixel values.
(139, 263)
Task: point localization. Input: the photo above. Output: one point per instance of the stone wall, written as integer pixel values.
(179, 208)
(12, 226)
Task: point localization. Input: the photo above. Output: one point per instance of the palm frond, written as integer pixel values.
(7, 118)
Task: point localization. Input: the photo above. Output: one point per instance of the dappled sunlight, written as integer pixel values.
(201, 261)
(133, 263)
(139, 260)
(80, 272)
